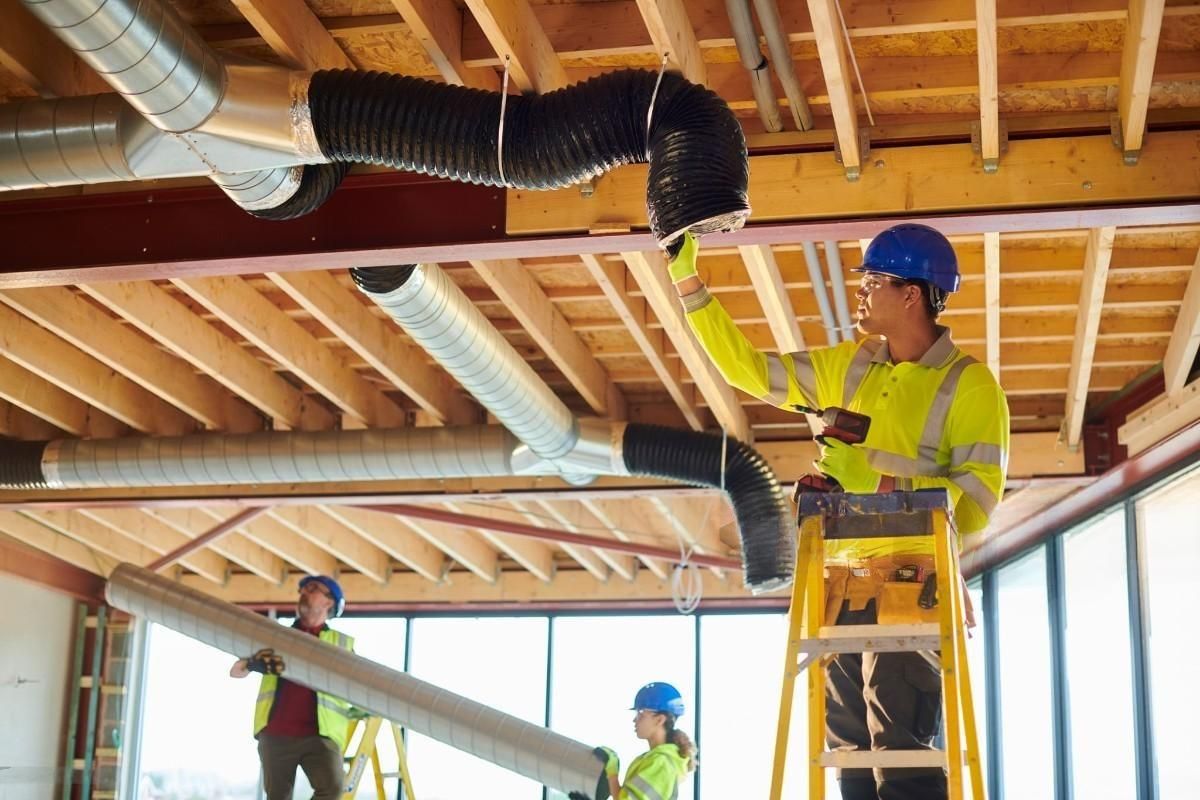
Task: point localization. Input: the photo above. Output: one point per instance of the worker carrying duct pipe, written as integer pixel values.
(938, 420)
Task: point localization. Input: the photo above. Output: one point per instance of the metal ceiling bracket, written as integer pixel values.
(990, 165)
(864, 152)
(1118, 139)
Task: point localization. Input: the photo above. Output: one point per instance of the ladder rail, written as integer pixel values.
(367, 753)
(76, 691)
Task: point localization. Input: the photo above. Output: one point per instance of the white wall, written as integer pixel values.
(36, 638)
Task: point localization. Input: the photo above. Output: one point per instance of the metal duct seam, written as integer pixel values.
(514, 744)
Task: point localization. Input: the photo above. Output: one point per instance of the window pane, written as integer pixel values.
(1168, 527)
(977, 664)
(601, 662)
(739, 711)
(500, 662)
(1026, 733)
(1099, 677)
(188, 684)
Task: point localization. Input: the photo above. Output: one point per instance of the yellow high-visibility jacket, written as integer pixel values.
(941, 422)
(655, 775)
(333, 713)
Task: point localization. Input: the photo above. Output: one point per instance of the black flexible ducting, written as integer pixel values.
(696, 150)
(317, 182)
(381, 280)
(759, 504)
(21, 465)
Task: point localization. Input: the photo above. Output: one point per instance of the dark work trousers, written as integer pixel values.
(318, 756)
(883, 701)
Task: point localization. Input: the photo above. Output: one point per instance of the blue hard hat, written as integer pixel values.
(335, 591)
(913, 252)
(662, 698)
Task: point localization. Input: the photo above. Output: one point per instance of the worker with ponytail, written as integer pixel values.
(657, 773)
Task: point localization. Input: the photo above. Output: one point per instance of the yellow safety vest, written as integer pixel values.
(940, 422)
(654, 775)
(333, 713)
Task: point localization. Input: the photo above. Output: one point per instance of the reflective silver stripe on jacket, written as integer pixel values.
(939, 410)
(270, 695)
(778, 380)
(332, 704)
(643, 786)
(858, 370)
(978, 453)
(897, 465)
(806, 376)
(976, 489)
(696, 300)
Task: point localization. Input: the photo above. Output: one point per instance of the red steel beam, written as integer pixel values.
(553, 535)
(1174, 452)
(43, 569)
(208, 537)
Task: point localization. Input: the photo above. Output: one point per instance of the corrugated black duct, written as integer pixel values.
(695, 147)
(317, 183)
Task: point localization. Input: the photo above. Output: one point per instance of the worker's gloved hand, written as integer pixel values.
(355, 713)
(847, 464)
(266, 662)
(682, 253)
(612, 764)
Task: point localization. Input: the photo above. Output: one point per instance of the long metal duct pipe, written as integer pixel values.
(746, 38)
(837, 278)
(509, 742)
(781, 56)
(817, 278)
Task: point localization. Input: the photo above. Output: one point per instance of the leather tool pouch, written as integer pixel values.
(898, 604)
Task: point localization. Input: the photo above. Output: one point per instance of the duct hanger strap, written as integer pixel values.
(500, 132)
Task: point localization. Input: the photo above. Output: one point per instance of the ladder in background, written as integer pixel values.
(368, 751)
(811, 643)
(99, 676)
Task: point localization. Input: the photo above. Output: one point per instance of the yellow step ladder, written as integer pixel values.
(811, 643)
(368, 752)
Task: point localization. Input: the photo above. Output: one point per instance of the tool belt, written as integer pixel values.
(904, 588)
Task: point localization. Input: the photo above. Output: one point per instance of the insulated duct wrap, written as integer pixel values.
(762, 511)
(695, 147)
(268, 457)
(439, 317)
(317, 182)
(514, 744)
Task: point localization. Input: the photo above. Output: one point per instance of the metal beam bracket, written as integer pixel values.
(1118, 139)
(864, 152)
(990, 165)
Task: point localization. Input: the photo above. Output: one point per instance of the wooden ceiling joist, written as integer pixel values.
(831, 47)
(991, 259)
(77, 321)
(177, 329)
(330, 535)
(277, 538)
(1137, 72)
(575, 518)
(50, 541)
(36, 56)
(145, 530)
(17, 423)
(392, 537)
(671, 31)
(772, 295)
(467, 549)
(96, 535)
(534, 556)
(527, 301)
(238, 549)
(262, 323)
(295, 33)
(43, 399)
(378, 343)
(1185, 337)
(517, 37)
(439, 27)
(1091, 298)
(989, 84)
(625, 522)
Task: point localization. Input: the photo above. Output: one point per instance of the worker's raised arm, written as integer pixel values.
(785, 380)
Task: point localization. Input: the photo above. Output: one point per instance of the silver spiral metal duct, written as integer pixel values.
(146, 52)
(514, 744)
(287, 457)
(441, 319)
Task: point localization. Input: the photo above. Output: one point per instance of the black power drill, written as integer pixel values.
(837, 423)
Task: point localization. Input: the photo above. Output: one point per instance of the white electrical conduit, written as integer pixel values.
(837, 278)
(514, 744)
(817, 278)
(746, 39)
(781, 56)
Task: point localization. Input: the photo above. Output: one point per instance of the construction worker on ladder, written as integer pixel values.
(939, 420)
(297, 726)
(655, 774)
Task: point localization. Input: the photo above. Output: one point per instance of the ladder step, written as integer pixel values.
(104, 795)
(885, 759)
(873, 639)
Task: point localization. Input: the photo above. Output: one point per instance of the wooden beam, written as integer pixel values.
(293, 31)
(1137, 72)
(39, 59)
(438, 26)
(525, 299)
(76, 372)
(991, 261)
(989, 84)
(1046, 173)
(93, 534)
(650, 271)
(632, 312)
(173, 325)
(673, 36)
(696, 522)
(535, 556)
(393, 537)
(1185, 337)
(577, 519)
(831, 47)
(77, 321)
(773, 297)
(516, 35)
(330, 535)
(279, 539)
(255, 317)
(626, 519)
(379, 344)
(1091, 299)
(50, 541)
(45, 400)
(17, 423)
(238, 549)
(465, 548)
(158, 537)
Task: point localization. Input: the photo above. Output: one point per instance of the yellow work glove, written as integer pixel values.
(848, 465)
(612, 765)
(683, 262)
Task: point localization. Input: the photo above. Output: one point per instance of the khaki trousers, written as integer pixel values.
(318, 756)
